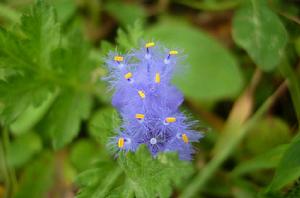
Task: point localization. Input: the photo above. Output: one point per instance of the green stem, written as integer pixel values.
(9, 172)
(207, 172)
(4, 171)
(293, 85)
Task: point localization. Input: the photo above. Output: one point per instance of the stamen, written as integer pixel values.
(118, 58)
(150, 44)
(142, 94)
(139, 116)
(121, 142)
(157, 78)
(170, 119)
(185, 138)
(173, 52)
(128, 75)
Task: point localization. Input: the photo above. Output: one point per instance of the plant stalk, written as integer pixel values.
(207, 172)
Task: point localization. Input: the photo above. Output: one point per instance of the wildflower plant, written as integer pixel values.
(55, 118)
(149, 103)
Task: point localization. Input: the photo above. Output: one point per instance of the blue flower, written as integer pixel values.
(148, 103)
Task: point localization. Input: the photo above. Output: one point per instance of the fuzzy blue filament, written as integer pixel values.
(149, 103)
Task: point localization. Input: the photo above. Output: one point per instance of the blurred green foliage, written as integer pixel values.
(241, 79)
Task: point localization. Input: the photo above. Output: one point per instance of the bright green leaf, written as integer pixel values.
(25, 53)
(97, 181)
(74, 102)
(41, 32)
(288, 168)
(260, 32)
(31, 116)
(23, 148)
(150, 177)
(17, 93)
(64, 8)
(103, 124)
(63, 120)
(84, 149)
(130, 37)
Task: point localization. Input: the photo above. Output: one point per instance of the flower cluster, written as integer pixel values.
(149, 103)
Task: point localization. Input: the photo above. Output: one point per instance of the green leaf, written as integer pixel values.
(23, 148)
(124, 191)
(267, 160)
(84, 149)
(130, 37)
(297, 45)
(268, 139)
(288, 168)
(32, 91)
(64, 8)
(145, 176)
(25, 56)
(125, 13)
(294, 86)
(31, 116)
(41, 32)
(74, 102)
(63, 120)
(260, 32)
(97, 181)
(37, 178)
(35, 63)
(199, 80)
(150, 177)
(73, 63)
(103, 124)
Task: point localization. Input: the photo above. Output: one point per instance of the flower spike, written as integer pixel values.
(149, 107)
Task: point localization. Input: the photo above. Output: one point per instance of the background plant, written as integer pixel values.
(242, 83)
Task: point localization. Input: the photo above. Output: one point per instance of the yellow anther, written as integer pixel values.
(157, 78)
(139, 116)
(150, 44)
(128, 75)
(173, 52)
(142, 94)
(185, 138)
(170, 119)
(121, 142)
(118, 58)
